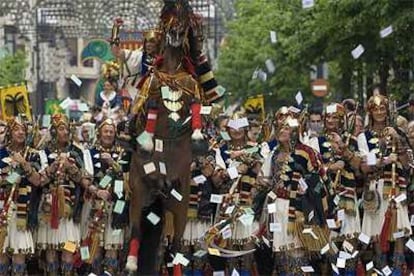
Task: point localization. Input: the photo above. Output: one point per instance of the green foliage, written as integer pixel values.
(327, 32)
(12, 68)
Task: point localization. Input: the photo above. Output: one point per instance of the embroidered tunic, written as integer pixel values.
(380, 183)
(301, 201)
(17, 218)
(344, 182)
(112, 215)
(59, 208)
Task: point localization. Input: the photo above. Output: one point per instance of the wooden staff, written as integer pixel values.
(93, 237)
(387, 226)
(351, 126)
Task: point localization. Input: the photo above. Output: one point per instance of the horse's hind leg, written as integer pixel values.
(151, 237)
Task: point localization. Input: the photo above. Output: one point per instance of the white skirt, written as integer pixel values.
(195, 230)
(351, 224)
(282, 238)
(85, 218)
(372, 223)
(17, 240)
(111, 238)
(403, 220)
(114, 238)
(242, 232)
(48, 238)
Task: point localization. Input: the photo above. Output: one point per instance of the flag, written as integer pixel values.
(255, 105)
(53, 107)
(15, 101)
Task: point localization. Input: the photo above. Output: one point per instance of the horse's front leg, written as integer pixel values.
(135, 213)
(179, 210)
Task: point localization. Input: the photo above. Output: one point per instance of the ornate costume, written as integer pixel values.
(15, 213)
(343, 180)
(104, 221)
(385, 193)
(18, 177)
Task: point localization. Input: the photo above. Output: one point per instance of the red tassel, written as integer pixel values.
(189, 66)
(254, 271)
(54, 220)
(208, 270)
(261, 231)
(196, 116)
(385, 232)
(360, 270)
(177, 270)
(151, 120)
(164, 271)
(133, 247)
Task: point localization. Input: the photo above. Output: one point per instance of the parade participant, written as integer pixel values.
(245, 157)
(350, 105)
(337, 148)
(200, 211)
(87, 133)
(105, 211)
(151, 49)
(299, 189)
(402, 124)
(410, 133)
(253, 133)
(315, 124)
(3, 127)
(108, 99)
(385, 159)
(281, 115)
(133, 64)
(18, 176)
(129, 62)
(359, 126)
(58, 230)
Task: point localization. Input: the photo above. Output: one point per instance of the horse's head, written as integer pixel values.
(175, 36)
(179, 24)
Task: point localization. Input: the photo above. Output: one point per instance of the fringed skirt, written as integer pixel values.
(281, 239)
(17, 241)
(373, 222)
(195, 229)
(241, 232)
(48, 238)
(111, 239)
(351, 224)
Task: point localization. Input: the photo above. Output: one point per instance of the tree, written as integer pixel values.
(12, 68)
(327, 32)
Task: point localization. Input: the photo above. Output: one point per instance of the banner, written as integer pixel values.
(255, 105)
(53, 107)
(15, 101)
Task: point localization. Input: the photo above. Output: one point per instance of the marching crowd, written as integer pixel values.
(305, 191)
(310, 190)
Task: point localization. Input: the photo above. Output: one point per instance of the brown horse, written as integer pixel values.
(168, 113)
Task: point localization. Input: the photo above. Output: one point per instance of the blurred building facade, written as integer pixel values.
(53, 33)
